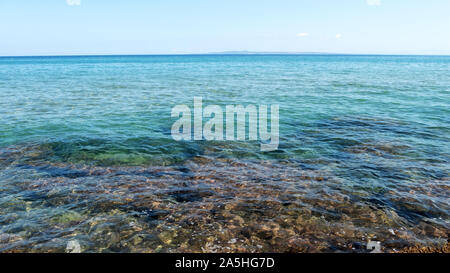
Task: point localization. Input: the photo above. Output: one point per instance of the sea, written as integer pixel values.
(87, 156)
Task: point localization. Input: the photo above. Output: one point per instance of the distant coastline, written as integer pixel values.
(245, 52)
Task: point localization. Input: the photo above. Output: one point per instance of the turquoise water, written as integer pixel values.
(86, 154)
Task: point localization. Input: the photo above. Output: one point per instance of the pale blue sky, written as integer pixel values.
(53, 27)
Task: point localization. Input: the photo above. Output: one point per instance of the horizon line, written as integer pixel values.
(241, 53)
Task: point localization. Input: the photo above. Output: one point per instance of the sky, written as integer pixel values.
(84, 27)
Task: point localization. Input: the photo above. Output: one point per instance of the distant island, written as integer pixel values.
(268, 53)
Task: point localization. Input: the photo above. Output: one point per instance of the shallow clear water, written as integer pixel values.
(86, 154)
